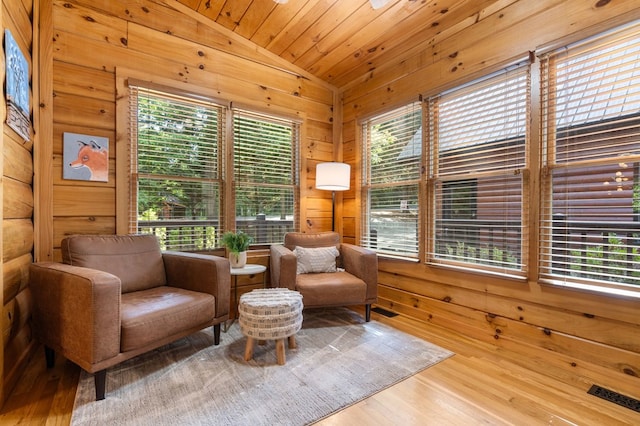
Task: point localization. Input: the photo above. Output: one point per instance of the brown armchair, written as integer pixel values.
(116, 297)
(354, 283)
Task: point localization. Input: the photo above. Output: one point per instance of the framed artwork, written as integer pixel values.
(17, 87)
(85, 157)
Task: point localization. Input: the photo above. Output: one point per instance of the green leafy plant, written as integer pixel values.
(236, 242)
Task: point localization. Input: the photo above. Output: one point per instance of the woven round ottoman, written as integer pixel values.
(270, 314)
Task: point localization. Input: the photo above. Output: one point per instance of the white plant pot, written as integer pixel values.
(238, 260)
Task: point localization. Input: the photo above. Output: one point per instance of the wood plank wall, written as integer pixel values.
(85, 42)
(17, 210)
(93, 38)
(582, 326)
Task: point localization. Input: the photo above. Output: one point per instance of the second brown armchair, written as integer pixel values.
(325, 271)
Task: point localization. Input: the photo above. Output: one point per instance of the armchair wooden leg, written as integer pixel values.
(367, 310)
(216, 334)
(49, 356)
(100, 380)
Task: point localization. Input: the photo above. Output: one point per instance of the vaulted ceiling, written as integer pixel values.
(341, 41)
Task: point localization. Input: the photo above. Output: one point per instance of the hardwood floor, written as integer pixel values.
(481, 384)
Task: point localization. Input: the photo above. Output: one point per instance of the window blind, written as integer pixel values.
(176, 169)
(265, 175)
(392, 150)
(591, 133)
(477, 170)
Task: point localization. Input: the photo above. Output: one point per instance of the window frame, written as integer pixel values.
(294, 186)
(469, 257)
(416, 144)
(556, 267)
(124, 193)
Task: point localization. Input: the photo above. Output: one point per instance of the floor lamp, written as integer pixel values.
(333, 177)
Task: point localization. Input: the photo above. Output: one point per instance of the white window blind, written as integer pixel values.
(176, 168)
(478, 142)
(265, 175)
(591, 212)
(392, 153)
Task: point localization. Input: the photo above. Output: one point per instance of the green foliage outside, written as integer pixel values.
(617, 261)
(483, 254)
(179, 176)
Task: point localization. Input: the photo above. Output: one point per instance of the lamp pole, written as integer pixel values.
(333, 176)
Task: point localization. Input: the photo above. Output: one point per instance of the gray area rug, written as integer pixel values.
(339, 361)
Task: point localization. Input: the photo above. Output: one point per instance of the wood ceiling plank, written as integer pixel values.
(309, 14)
(479, 56)
(277, 21)
(417, 27)
(253, 18)
(210, 9)
(339, 36)
(339, 13)
(370, 43)
(232, 12)
(193, 4)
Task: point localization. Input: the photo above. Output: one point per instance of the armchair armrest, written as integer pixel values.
(363, 263)
(201, 273)
(283, 267)
(76, 311)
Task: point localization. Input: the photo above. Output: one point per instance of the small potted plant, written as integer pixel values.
(237, 244)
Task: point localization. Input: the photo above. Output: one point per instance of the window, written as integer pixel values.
(392, 152)
(591, 133)
(478, 142)
(176, 168)
(265, 175)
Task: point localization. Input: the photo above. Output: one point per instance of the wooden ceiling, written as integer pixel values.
(342, 41)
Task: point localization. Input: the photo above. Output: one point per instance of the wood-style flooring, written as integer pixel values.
(481, 384)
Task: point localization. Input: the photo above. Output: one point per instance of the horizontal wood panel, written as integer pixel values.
(15, 315)
(17, 200)
(83, 111)
(204, 50)
(86, 82)
(418, 278)
(494, 329)
(15, 274)
(562, 320)
(17, 238)
(90, 24)
(17, 161)
(65, 226)
(89, 201)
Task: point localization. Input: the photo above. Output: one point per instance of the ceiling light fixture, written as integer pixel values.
(377, 4)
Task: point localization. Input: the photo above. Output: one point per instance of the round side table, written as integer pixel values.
(248, 269)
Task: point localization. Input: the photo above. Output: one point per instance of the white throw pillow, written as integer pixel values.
(319, 259)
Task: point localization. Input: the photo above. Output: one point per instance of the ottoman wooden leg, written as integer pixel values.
(282, 358)
(248, 349)
(292, 341)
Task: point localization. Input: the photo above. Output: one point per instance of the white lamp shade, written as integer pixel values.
(333, 176)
